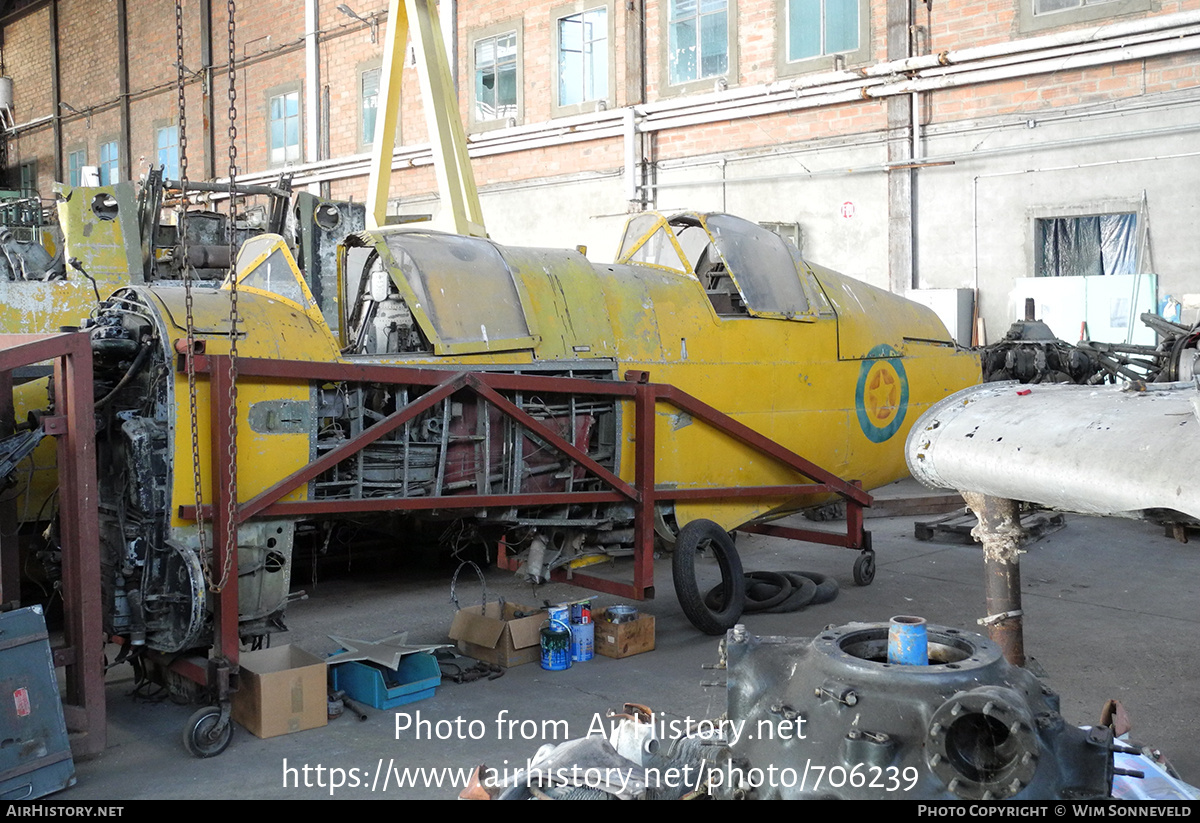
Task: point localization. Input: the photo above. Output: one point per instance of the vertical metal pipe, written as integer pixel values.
(1000, 532)
(56, 92)
(126, 149)
(631, 176)
(312, 88)
(902, 274)
(206, 66)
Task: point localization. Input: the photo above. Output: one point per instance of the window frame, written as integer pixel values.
(557, 16)
(115, 162)
(273, 94)
(513, 26)
(820, 62)
(666, 88)
(365, 143)
(27, 171)
(1028, 20)
(76, 160)
(159, 128)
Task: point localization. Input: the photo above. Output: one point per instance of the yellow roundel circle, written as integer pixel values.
(881, 396)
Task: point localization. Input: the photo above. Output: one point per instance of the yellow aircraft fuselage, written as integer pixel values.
(829, 367)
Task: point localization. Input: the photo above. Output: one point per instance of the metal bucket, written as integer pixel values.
(622, 614)
(583, 645)
(556, 646)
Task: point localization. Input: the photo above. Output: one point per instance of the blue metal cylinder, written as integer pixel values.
(908, 644)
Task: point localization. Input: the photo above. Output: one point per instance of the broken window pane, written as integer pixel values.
(698, 40)
(496, 77)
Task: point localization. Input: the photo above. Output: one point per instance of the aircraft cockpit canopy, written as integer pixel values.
(463, 287)
(745, 269)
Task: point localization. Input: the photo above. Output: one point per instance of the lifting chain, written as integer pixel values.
(189, 355)
(231, 525)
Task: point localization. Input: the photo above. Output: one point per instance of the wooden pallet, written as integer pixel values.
(956, 527)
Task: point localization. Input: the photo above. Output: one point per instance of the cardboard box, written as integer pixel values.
(624, 639)
(281, 690)
(494, 633)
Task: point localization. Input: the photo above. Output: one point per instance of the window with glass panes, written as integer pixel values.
(496, 77)
(698, 39)
(167, 143)
(583, 57)
(284, 112)
(109, 163)
(819, 27)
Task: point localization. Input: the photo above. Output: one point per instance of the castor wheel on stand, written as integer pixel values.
(864, 568)
(207, 732)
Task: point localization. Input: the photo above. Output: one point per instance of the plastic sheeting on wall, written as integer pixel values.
(1104, 244)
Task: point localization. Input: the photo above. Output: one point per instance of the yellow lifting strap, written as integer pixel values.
(460, 210)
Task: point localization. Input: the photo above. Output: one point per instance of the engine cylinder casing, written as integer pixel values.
(968, 726)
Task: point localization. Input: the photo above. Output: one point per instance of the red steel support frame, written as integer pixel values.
(82, 652)
(644, 494)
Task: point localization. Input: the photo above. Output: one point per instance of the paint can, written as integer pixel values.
(556, 646)
(581, 611)
(560, 613)
(583, 641)
(908, 642)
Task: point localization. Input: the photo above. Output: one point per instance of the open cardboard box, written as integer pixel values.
(494, 634)
(281, 690)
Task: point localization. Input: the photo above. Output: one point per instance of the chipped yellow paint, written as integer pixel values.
(796, 381)
(269, 327)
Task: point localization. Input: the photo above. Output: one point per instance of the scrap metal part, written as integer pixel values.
(1030, 353)
(1101, 450)
(967, 726)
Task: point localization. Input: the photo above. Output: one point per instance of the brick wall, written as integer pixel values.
(270, 54)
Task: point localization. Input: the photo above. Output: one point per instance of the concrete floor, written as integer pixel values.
(1110, 613)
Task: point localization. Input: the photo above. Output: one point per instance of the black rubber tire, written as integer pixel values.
(827, 587)
(691, 538)
(864, 569)
(778, 586)
(803, 592)
(197, 738)
(763, 590)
